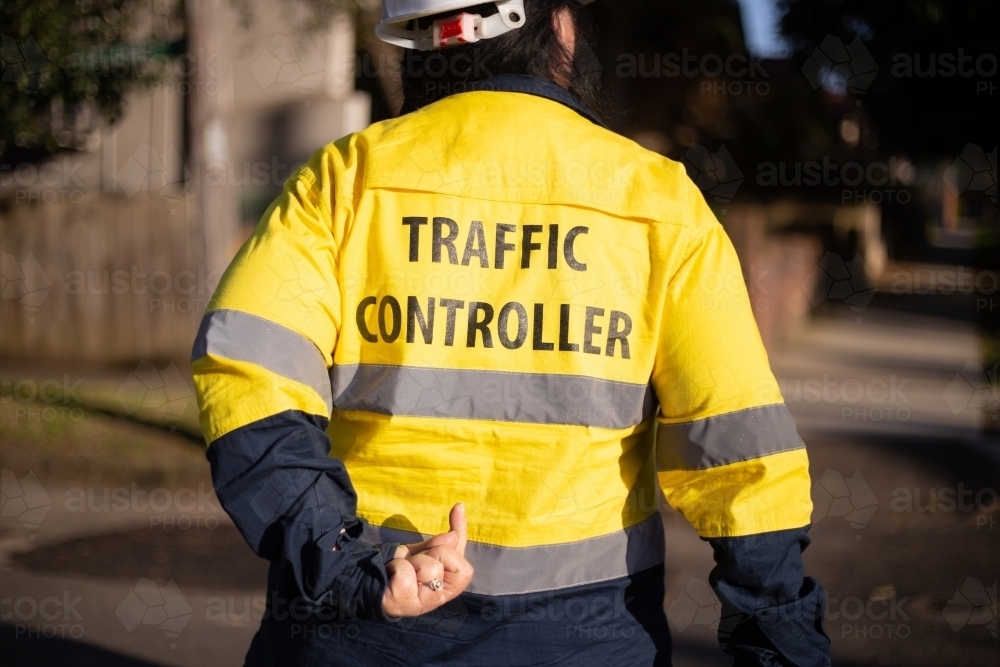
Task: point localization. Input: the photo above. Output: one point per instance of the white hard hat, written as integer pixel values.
(463, 28)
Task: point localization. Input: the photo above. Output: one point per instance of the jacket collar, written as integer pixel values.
(533, 85)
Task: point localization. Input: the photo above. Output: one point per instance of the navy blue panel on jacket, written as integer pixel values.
(771, 613)
(618, 622)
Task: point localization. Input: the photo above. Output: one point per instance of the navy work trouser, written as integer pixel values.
(618, 622)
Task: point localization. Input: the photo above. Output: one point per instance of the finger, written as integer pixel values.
(401, 597)
(459, 526)
(402, 576)
(427, 568)
(450, 558)
(456, 537)
(457, 571)
(443, 540)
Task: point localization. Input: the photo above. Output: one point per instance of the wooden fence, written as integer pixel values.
(101, 279)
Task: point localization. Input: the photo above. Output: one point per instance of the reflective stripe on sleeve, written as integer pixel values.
(492, 396)
(516, 571)
(728, 438)
(244, 337)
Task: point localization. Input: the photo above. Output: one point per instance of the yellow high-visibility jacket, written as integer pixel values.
(496, 301)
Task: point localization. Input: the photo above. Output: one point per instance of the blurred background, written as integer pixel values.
(848, 147)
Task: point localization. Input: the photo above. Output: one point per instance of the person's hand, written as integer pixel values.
(438, 559)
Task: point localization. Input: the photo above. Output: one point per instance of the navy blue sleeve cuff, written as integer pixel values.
(293, 504)
(772, 614)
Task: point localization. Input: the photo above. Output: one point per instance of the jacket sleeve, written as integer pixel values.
(260, 365)
(729, 459)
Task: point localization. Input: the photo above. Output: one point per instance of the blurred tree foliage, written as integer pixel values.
(936, 87)
(681, 80)
(865, 83)
(47, 45)
(64, 56)
(641, 44)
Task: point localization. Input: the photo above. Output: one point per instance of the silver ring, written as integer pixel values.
(434, 584)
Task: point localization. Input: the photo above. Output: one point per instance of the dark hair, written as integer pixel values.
(532, 49)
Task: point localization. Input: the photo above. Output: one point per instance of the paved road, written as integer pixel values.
(906, 536)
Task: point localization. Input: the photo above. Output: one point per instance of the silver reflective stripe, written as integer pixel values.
(515, 571)
(244, 337)
(492, 396)
(729, 438)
